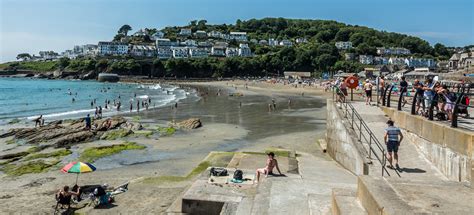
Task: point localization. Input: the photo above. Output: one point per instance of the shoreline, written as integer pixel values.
(226, 127)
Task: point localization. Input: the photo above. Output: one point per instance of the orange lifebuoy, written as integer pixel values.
(352, 82)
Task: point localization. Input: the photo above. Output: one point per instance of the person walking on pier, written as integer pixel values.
(392, 141)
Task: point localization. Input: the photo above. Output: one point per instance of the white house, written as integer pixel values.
(301, 40)
(143, 51)
(189, 43)
(393, 51)
(239, 36)
(185, 32)
(180, 52)
(244, 50)
(164, 52)
(396, 61)
(204, 44)
(420, 62)
(163, 42)
(48, 55)
(343, 45)
(272, 42)
(140, 33)
(71, 54)
(214, 34)
(198, 52)
(218, 50)
(200, 34)
(380, 60)
(366, 59)
(231, 52)
(285, 43)
(157, 35)
(112, 48)
(263, 42)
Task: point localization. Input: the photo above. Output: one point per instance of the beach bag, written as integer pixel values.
(452, 97)
(217, 171)
(238, 175)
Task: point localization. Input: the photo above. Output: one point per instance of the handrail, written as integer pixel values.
(362, 126)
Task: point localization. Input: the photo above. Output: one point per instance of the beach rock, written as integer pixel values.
(132, 126)
(13, 155)
(60, 134)
(191, 123)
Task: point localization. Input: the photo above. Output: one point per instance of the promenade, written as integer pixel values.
(419, 186)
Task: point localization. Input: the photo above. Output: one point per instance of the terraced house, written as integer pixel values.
(112, 48)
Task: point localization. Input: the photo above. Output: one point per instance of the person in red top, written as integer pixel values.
(268, 170)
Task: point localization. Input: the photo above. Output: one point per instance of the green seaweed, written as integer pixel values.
(166, 131)
(146, 133)
(115, 134)
(94, 153)
(213, 159)
(279, 153)
(10, 141)
(56, 154)
(136, 118)
(26, 168)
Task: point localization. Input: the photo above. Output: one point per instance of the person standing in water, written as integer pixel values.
(131, 106)
(138, 106)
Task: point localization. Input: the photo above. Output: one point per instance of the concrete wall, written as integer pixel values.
(342, 144)
(450, 149)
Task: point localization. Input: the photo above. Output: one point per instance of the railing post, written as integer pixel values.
(454, 120)
(389, 95)
(384, 93)
(402, 90)
(360, 130)
(370, 147)
(352, 122)
(413, 105)
(432, 104)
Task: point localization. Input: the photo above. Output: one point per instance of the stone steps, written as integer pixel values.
(344, 201)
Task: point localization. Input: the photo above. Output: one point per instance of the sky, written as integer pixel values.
(34, 25)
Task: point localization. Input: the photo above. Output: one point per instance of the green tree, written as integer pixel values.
(63, 62)
(23, 56)
(124, 29)
(441, 50)
(159, 68)
(102, 65)
(343, 34)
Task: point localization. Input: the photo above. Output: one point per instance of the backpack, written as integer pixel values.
(238, 175)
(217, 171)
(452, 96)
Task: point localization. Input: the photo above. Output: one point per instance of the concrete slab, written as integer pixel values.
(344, 201)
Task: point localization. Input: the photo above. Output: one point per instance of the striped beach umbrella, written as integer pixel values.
(78, 167)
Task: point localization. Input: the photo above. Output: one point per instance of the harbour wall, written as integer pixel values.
(342, 143)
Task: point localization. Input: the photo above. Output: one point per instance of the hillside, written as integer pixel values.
(319, 54)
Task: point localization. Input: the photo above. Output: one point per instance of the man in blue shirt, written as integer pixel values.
(392, 141)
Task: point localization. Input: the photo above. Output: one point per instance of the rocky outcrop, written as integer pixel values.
(191, 123)
(59, 133)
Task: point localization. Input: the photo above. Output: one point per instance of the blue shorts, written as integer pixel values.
(392, 146)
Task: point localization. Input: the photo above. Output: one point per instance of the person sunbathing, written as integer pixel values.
(268, 170)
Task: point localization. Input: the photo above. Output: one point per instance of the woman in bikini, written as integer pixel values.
(268, 170)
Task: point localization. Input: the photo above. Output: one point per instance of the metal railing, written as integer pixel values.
(418, 100)
(362, 129)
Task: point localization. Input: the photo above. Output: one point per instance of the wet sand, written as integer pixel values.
(227, 126)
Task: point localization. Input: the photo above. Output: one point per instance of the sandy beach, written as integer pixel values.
(230, 124)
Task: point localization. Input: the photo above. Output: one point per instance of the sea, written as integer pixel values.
(25, 99)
